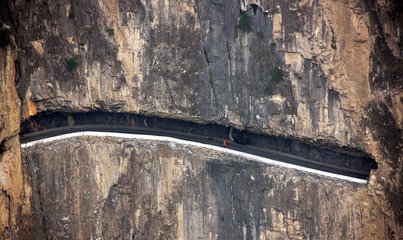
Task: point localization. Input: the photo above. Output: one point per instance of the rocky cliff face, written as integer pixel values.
(278, 68)
(14, 193)
(113, 188)
(328, 70)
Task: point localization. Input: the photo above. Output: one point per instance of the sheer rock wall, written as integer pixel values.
(93, 187)
(14, 193)
(296, 68)
(327, 70)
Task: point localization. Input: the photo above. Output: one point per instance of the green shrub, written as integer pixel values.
(71, 63)
(5, 37)
(110, 31)
(244, 22)
(277, 74)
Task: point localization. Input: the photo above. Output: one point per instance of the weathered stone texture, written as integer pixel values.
(307, 69)
(190, 60)
(13, 190)
(9, 101)
(91, 187)
(329, 70)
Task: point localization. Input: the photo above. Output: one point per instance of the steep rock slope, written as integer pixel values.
(13, 190)
(104, 187)
(328, 70)
(289, 68)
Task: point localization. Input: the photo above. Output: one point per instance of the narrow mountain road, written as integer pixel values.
(299, 162)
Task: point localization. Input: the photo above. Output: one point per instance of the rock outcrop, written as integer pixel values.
(328, 70)
(103, 187)
(290, 68)
(14, 192)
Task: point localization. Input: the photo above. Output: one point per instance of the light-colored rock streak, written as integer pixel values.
(195, 144)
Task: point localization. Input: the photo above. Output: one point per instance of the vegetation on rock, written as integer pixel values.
(110, 31)
(277, 74)
(71, 63)
(244, 22)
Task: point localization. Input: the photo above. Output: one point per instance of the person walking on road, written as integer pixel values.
(225, 143)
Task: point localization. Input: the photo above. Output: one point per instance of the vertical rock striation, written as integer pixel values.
(305, 69)
(13, 189)
(92, 187)
(328, 70)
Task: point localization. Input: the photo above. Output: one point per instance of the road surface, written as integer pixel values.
(260, 154)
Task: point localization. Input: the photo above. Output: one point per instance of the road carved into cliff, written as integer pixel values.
(337, 163)
(190, 143)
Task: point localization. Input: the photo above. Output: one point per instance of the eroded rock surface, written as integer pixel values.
(92, 187)
(13, 203)
(327, 70)
(294, 68)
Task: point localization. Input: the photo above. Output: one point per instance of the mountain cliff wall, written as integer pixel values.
(14, 191)
(316, 70)
(114, 188)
